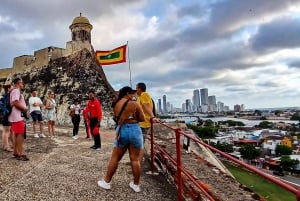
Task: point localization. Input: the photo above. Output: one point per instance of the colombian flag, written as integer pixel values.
(114, 56)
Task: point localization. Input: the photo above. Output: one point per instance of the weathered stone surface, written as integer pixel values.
(71, 77)
(65, 169)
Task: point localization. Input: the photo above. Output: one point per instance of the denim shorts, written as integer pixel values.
(130, 134)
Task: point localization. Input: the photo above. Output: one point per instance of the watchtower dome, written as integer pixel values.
(81, 29)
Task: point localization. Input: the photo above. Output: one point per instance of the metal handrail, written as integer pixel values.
(181, 169)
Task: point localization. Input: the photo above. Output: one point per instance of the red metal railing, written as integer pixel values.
(181, 169)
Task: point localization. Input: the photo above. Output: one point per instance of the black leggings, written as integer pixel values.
(76, 121)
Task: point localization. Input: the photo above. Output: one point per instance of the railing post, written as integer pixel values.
(152, 148)
(178, 153)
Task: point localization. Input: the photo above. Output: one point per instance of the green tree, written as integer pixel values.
(225, 147)
(277, 112)
(296, 116)
(235, 123)
(265, 124)
(283, 150)
(205, 132)
(209, 123)
(249, 152)
(287, 163)
(257, 113)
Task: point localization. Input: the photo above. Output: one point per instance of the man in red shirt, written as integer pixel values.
(95, 110)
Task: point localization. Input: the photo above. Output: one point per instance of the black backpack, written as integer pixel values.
(5, 107)
(153, 108)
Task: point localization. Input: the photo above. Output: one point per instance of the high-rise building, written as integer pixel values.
(159, 106)
(220, 106)
(237, 108)
(204, 96)
(212, 105)
(188, 105)
(164, 104)
(243, 107)
(196, 100)
(183, 107)
(204, 100)
(226, 108)
(168, 107)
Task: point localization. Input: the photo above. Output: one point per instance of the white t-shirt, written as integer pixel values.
(33, 100)
(77, 108)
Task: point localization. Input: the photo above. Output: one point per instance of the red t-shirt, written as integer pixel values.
(85, 113)
(95, 109)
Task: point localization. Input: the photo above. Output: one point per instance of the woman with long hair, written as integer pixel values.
(51, 113)
(128, 114)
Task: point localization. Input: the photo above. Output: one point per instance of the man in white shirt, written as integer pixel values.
(35, 104)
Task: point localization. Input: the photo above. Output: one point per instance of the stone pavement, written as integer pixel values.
(65, 169)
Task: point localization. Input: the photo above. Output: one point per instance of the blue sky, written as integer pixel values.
(244, 52)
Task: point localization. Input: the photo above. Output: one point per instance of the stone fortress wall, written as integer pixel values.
(81, 38)
(69, 72)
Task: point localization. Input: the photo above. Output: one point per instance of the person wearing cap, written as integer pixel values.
(95, 110)
(35, 104)
(75, 108)
(18, 104)
(129, 137)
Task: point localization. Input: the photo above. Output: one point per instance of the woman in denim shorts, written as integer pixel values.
(129, 137)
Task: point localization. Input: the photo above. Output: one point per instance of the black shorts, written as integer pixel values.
(5, 121)
(36, 116)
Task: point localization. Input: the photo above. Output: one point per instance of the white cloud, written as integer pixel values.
(242, 51)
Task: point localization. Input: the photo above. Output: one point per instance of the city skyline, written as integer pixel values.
(242, 51)
(200, 102)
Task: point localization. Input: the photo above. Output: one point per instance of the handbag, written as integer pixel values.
(72, 113)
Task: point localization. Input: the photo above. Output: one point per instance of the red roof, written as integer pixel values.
(248, 141)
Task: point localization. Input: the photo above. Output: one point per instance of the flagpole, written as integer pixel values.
(129, 64)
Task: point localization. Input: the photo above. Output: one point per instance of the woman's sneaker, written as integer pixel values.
(103, 184)
(42, 135)
(134, 187)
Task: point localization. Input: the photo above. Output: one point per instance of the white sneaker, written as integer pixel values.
(36, 135)
(42, 135)
(103, 184)
(75, 137)
(134, 187)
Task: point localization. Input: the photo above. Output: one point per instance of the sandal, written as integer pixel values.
(8, 149)
(22, 158)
